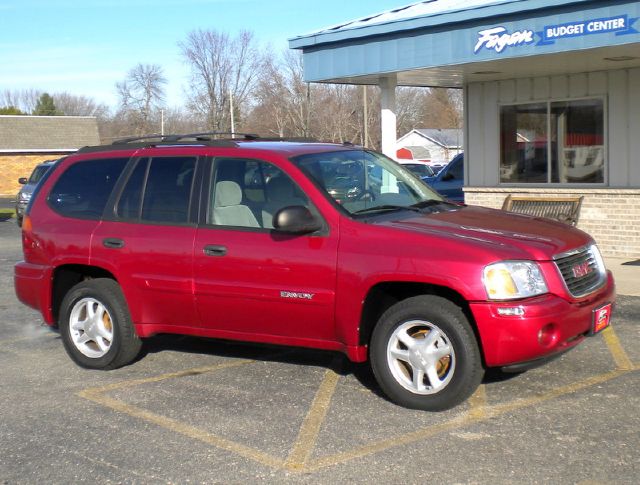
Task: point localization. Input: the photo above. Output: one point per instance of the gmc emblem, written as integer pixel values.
(581, 270)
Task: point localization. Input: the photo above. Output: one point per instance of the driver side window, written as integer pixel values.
(248, 193)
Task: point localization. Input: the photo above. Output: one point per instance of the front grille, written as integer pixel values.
(582, 270)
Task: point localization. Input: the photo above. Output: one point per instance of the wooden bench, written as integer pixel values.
(563, 209)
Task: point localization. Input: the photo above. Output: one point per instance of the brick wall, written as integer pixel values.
(14, 166)
(611, 216)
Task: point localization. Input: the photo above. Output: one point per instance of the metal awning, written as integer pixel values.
(448, 43)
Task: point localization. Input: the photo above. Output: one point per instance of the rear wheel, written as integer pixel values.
(96, 327)
(424, 354)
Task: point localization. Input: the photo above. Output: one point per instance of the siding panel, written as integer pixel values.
(507, 90)
(578, 85)
(491, 127)
(634, 127)
(597, 83)
(475, 152)
(618, 129)
(524, 90)
(541, 88)
(559, 87)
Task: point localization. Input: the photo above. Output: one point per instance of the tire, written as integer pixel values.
(421, 372)
(96, 327)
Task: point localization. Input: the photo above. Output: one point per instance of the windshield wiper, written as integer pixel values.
(388, 208)
(417, 207)
(432, 202)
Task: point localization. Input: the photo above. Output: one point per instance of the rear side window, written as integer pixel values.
(129, 204)
(159, 190)
(83, 189)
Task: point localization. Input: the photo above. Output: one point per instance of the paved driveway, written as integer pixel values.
(201, 411)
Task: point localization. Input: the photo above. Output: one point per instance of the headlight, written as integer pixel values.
(597, 255)
(509, 280)
(25, 196)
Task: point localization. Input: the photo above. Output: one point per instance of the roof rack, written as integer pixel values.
(208, 138)
(292, 139)
(204, 136)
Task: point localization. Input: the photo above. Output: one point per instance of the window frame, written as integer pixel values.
(194, 196)
(108, 201)
(207, 193)
(549, 150)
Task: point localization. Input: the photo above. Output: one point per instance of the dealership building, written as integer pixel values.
(551, 90)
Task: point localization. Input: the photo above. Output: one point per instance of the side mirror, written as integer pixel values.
(22, 180)
(296, 219)
(448, 176)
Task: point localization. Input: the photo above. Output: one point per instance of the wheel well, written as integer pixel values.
(383, 295)
(66, 277)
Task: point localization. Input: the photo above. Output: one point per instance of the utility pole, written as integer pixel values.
(233, 123)
(162, 122)
(365, 141)
(308, 113)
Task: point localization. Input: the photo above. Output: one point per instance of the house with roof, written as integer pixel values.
(434, 146)
(26, 141)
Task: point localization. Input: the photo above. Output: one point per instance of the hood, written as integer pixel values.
(509, 235)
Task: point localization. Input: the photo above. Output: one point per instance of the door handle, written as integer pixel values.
(113, 243)
(215, 250)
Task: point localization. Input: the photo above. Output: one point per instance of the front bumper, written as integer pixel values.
(549, 325)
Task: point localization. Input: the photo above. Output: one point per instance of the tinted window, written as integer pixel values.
(84, 188)
(168, 189)
(129, 204)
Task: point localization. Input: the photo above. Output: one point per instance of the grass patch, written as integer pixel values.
(6, 214)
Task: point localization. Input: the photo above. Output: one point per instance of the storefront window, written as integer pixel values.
(553, 142)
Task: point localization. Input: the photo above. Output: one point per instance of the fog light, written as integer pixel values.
(511, 311)
(548, 335)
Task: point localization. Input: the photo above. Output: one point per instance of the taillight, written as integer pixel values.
(26, 225)
(28, 241)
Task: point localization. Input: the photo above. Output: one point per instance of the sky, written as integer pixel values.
(85, 46)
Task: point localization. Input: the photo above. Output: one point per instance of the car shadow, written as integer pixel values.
(335, 361)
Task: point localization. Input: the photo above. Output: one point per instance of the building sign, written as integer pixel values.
(499, 38)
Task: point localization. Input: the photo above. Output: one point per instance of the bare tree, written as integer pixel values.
(443, 108)
(180, 120)
(410, 111)
(336, 113)
(74, 105)
(221, 67)
(23, 99)
(281, 98)
(141, 95)
(67, 103)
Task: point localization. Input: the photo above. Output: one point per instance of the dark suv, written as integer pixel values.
(28, 185)
(449, 181)
(242, 239)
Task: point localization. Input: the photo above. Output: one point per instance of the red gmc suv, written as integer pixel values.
(308, 244)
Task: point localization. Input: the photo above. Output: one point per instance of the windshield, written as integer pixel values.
(37, 173)
(361, 181)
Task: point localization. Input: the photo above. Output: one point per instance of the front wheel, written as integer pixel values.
(424, 354)
(96, 327)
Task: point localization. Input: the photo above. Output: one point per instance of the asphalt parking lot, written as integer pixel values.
(202, 411)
